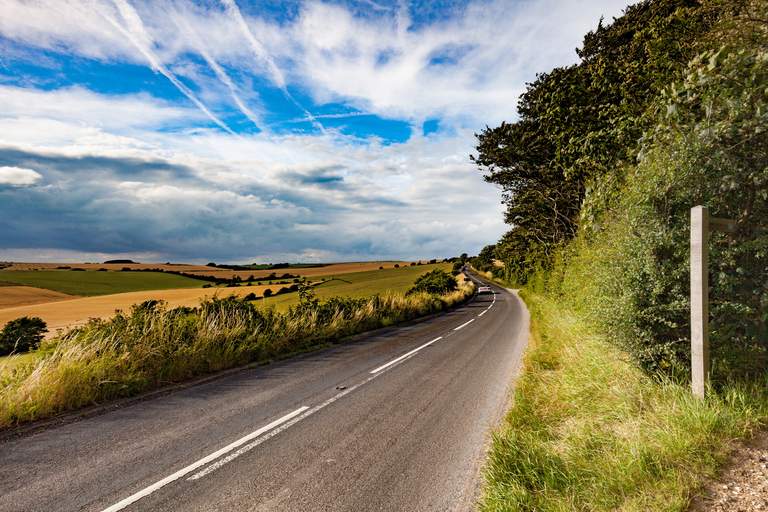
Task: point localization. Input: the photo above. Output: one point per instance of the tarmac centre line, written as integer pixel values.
(205, 460)
(259, 436)
(464, 324)
(377, 370)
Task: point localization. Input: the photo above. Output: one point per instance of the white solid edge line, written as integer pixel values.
(152, 488)
(377, 370)
(464, 325)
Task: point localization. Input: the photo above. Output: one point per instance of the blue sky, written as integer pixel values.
(262, 131)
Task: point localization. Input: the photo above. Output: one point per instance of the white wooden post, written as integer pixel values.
(701, 225)
(699, 299)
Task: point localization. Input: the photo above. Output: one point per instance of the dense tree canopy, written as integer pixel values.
(667, 109)
(578, 124)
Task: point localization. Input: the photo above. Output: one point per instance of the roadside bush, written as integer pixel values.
(437, 281)
(21, 335)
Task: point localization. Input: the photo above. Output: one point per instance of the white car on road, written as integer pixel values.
(485, 289)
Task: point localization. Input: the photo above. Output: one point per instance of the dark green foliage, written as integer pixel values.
(578, 125)
(437, 281)
(21, 335)
(267, 292)
(307, 298)
(668, 109)
(484, 261)
(710, 147)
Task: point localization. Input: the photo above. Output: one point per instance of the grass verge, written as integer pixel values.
(587, 430)
(152, 346)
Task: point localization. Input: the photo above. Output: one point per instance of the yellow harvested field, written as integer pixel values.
(76, 311)
(61, 311)
(13, 296)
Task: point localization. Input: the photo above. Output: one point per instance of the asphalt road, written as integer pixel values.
(393, 421)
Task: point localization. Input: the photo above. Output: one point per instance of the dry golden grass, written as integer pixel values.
(153, 346)
(15, 296)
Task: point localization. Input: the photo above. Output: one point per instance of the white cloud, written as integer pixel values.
(18, 176)
(489, 54)
(136, 171)
(380, 65)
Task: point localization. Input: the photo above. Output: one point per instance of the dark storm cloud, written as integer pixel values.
(57, 166)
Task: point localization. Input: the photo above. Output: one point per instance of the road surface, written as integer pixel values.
(392, 421)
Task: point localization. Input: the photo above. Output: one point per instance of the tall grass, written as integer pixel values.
(152, 346)
(589, 431)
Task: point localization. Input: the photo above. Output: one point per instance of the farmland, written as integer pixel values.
(90, 283)
(83, 300)
(15, 296)
(218, 334)
(204, 270)
(360, 284)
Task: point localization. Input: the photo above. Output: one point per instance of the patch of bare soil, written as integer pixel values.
(13, 296)
(742, 486)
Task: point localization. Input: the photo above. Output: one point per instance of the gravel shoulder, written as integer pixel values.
(742, 485)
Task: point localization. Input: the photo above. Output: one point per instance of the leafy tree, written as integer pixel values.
(21, 334)
(706, 143)
(437, 281)
(578, 125)
(307, 298)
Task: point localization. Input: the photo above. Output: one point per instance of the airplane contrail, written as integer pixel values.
(222, 76)
(234, 12)
(137, 34)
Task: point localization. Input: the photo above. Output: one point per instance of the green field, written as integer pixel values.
(8, 363)
(93, 283)
(358, 284)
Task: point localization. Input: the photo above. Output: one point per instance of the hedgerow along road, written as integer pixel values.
(396, 420)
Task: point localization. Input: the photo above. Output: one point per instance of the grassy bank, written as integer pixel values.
(589, 431)
(152, 346)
